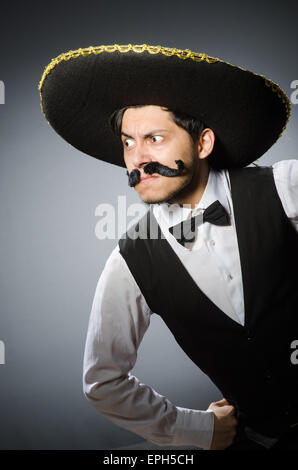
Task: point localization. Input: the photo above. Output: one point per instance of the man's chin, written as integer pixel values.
(153, 201)
(159, 196)
(156, 200)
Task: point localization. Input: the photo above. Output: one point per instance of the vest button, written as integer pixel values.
(249, 335)
(268, 375)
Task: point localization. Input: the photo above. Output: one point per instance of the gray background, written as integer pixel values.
(50, 257)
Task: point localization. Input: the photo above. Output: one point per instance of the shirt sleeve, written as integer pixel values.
(285, 174)
(118, 321)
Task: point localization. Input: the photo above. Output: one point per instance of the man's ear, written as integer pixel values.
(205, 143)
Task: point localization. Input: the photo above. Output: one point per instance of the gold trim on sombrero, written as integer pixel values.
(167, 51)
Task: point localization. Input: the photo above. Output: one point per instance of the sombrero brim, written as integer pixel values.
(80, 90)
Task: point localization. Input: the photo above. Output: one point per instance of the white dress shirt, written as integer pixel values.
(120, 316)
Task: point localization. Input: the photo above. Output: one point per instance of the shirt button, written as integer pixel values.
(230, 276)
(212, 242)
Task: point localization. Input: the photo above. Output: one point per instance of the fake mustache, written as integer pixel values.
(154, 167)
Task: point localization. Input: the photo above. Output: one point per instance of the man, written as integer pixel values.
(224, 281)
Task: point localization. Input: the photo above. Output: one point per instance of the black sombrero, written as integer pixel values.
(80, 89)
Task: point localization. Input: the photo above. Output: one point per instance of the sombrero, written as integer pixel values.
(79, 91)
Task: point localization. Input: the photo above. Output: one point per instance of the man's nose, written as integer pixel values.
(141, 155)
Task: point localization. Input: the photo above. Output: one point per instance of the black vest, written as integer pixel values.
(249, 364)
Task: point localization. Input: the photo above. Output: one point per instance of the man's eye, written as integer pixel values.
(128, 142)
(157, 138)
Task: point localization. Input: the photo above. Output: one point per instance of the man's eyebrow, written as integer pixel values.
(149, 134)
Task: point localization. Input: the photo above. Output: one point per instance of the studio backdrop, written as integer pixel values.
(52, 198)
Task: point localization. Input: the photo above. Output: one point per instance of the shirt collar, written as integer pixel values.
(215, 189)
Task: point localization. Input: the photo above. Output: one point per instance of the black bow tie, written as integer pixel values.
(185, 231)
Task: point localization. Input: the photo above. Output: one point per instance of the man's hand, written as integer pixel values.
(225, 424)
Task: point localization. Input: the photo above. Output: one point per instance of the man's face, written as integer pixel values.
(150, 135)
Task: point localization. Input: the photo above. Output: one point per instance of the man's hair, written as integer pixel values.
(190, 124)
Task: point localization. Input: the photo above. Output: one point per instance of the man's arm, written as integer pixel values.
(118, 321)
(285, 174)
